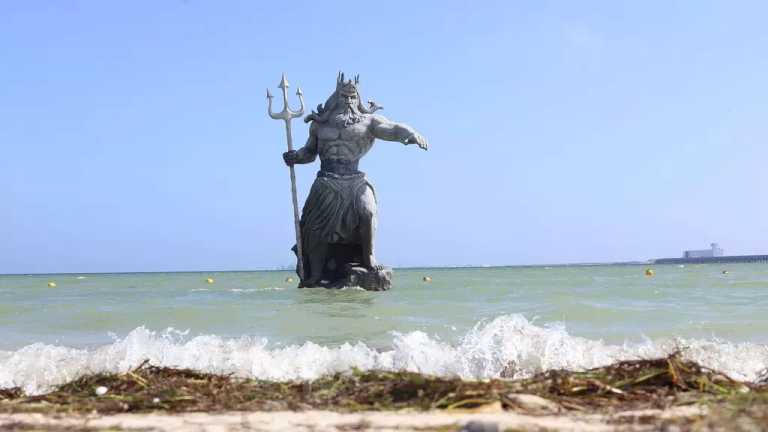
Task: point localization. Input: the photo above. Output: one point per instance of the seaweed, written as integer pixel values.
(637, 384)
(10, 393)
(29, 427)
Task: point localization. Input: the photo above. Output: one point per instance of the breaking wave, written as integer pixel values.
(509, 343)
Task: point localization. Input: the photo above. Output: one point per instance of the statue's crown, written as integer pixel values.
(347, 86)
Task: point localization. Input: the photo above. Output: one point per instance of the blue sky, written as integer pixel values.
(134, 135)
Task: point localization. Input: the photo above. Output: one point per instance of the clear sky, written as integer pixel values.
(134, 135)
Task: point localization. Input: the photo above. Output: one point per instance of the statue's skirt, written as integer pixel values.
(332, 215)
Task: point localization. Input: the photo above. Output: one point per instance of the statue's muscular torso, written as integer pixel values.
(332, 141)
(346, 143)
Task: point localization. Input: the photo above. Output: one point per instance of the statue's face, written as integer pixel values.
(348, 99)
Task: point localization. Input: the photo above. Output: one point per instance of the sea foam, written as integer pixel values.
(509, 344)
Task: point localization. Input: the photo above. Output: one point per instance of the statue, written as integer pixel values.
(338, 221)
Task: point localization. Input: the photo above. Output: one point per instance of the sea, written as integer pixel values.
(471, 323)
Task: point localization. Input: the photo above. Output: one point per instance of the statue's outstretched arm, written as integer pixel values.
(385, 129)
(306, 154)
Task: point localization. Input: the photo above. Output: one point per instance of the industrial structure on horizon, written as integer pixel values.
(713, 251)
(712, 255)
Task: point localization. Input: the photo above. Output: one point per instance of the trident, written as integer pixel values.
(286, 114)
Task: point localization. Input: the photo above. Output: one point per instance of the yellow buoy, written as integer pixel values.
(427, 279)
(209, 280)
(649, 272)
(51, 284)
(289, 279)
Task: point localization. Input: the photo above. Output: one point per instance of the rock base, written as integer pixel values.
(369, 280)
(355, 275)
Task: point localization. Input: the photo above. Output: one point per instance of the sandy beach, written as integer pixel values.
(641, 420)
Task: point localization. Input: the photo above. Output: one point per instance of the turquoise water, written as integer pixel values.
(615, 303)
(601, 312)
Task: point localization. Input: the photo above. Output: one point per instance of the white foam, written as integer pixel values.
(250, 290)
(508, 341)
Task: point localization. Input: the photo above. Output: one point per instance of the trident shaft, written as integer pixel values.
(287, 115)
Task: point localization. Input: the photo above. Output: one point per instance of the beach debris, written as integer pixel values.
(649, 272)
(635, 384)
(510, 369)
(427, 279)
(762, 377)
(480, 426)
(289, 279)
(11, 393)
(51, 284)
(531, 402)
(210, 280)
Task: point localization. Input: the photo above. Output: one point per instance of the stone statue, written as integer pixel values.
(338, 222)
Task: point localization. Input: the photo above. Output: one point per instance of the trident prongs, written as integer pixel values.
(286, 114)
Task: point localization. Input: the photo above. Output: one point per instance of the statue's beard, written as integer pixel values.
(348, 117)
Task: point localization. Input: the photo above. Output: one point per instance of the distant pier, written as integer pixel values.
(714, 259)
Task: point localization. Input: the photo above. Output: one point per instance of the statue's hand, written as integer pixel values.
(419, 140)
(290, 157)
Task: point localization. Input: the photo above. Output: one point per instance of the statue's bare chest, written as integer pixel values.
(350, 142)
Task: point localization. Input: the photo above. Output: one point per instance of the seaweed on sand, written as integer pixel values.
(625, 385)
(10, 393)
(656, 383)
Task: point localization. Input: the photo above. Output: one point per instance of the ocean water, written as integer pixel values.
(467, 322)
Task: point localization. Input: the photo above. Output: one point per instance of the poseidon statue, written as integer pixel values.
(338, 222)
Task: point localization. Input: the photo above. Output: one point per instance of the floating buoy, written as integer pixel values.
(649, 272)
(209, 280)
(51, 284)
(426, 279)
(289, 279)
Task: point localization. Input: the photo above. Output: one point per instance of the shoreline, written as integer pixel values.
(631, 395)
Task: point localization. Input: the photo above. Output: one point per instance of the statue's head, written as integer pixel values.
(348, 95)
(344, 104)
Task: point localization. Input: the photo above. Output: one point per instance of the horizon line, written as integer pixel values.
(467, 266)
